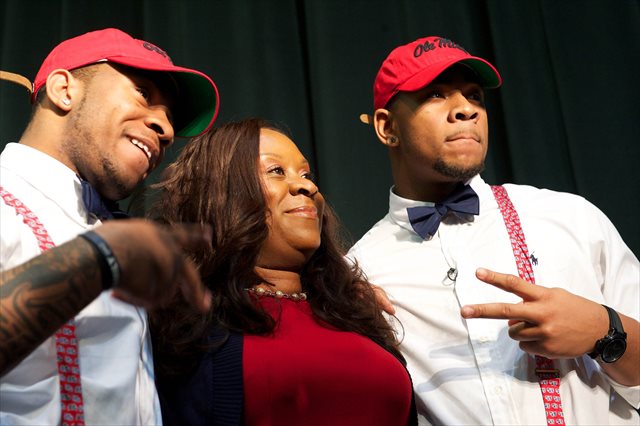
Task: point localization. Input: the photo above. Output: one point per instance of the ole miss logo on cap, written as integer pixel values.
(154, 48)
(429, 45)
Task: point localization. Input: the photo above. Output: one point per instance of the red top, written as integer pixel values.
(307, 374)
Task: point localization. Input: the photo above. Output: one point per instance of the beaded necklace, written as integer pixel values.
(278, 294)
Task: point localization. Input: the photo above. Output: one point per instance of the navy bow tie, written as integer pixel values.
(93, 202)
(426, 219)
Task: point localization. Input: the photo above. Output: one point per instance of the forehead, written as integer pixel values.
(162, 82)
(276, 144)
(458, 75)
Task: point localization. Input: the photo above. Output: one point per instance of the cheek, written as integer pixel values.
(320, 203)
(270, 191)
(273, 225)
(269, 222)
(274, 235)
(130, 159)
(422, 135)
(420, 149)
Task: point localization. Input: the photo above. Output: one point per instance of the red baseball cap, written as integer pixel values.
(414, 65)
(197, 101)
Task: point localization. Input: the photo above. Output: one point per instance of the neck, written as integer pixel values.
(285, 281)
(433, 192)
(43, 133)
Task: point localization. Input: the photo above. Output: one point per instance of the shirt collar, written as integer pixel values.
(47, 175)
(398, 205)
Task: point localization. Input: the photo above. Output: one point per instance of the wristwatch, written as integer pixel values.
(612, 346)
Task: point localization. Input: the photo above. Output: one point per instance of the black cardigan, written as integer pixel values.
(213, 394)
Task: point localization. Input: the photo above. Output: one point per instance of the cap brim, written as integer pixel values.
(366, 119)
(197, 106)
(17, 79)
(489, 76)
(197, 101)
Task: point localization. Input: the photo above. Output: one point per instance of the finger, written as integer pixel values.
(510, 283)
(192, 236)
(192, 288)
(383, 300)
(127, 298)
(533, 348)
(524, 332)
(508, 311)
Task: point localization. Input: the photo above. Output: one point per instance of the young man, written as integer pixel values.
(106, 108)
(485, 347)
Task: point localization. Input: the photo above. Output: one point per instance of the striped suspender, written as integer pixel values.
(72, 409)
(548, 376)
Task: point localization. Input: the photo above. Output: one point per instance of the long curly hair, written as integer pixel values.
(215, 180)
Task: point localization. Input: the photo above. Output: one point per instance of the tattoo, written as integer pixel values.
(39, 296)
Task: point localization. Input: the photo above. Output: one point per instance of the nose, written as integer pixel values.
(462, 109)
(300, 185)
(158, 121)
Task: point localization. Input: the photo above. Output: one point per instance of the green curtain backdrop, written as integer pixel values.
(567, 117)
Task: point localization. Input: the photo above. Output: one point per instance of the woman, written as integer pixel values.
(294, 335)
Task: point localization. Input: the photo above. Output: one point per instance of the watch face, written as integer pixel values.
(614, 349)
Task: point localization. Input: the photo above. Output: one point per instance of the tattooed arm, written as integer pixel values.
(39, 296)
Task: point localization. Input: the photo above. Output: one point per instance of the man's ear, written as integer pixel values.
(384, 128)
(62, 88)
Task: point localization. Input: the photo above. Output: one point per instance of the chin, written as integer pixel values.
(120, 190)
(117, 183)
(458, 172)
(309, 252)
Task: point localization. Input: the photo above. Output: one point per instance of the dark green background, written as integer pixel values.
(567, 117)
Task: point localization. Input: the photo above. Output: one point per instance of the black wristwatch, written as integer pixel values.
(612, 346)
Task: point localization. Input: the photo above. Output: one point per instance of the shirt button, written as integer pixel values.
(483, 339)
(497, 390)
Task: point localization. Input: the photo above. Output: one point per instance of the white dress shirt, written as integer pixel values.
(113, 337)
(470, 371)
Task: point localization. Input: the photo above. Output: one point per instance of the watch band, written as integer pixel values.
(615, 333)
(106, 259)
(615, 323)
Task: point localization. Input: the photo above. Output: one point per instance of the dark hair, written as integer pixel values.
(215, 181)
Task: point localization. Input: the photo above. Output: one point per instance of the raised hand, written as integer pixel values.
(551, 322)
(37, 297)
(152, 262)
(383, 300)
(555, 323)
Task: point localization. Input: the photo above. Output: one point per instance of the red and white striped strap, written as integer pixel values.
(72, 409)
(548, 376)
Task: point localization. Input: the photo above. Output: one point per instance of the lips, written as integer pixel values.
(304, 211)
(463, 136)
(148, 150)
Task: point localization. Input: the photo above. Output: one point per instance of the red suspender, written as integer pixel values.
(547, 375)
(72, 409)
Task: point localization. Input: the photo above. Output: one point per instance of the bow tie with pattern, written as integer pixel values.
(93, 202)
(426, 219)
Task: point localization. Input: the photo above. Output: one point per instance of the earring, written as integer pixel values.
(66, 101)
(392, 140)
